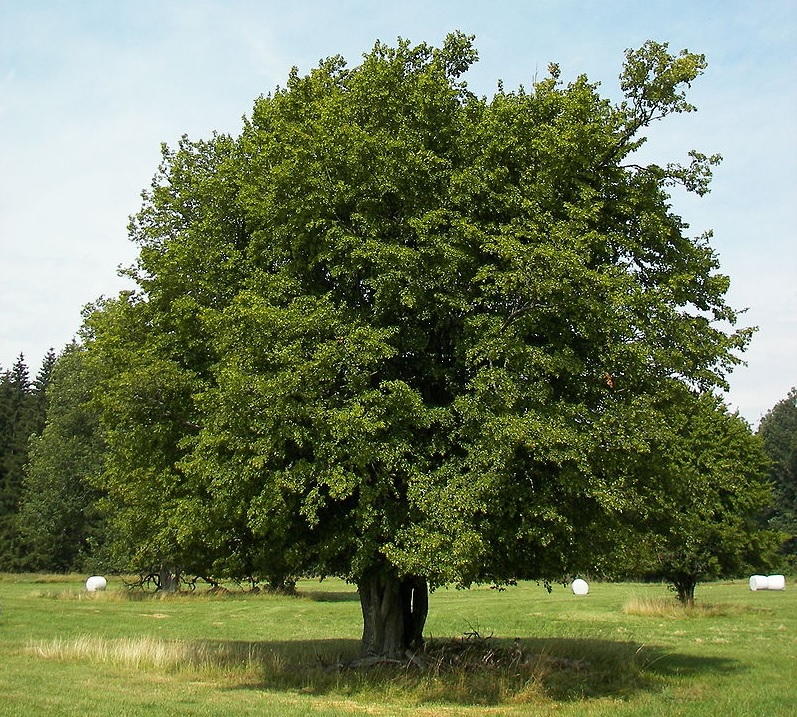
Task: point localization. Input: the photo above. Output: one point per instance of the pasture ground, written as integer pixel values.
(624, 649)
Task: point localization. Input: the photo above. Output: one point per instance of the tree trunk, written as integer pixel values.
(394, 614)
(280, 584)
(169, 578)
(685, 590)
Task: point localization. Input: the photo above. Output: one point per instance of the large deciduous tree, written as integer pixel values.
(406, 335)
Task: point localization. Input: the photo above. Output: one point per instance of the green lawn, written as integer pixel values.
(65, 652)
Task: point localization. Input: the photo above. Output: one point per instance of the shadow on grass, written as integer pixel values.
(471, 673)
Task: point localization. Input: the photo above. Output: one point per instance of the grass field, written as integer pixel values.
(624, 649)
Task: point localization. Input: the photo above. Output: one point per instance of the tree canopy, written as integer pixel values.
(406, 335)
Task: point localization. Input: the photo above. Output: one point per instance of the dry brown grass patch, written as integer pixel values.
(661, 607)
(153, 653)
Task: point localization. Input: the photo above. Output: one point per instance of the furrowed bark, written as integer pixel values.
(394, 614)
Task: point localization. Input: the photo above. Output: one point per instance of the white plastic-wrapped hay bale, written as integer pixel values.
(776, 582)
(95, 583)
(758, 582)
(579, 587)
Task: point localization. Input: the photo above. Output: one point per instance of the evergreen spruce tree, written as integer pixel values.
(39, 390)
(22, 414)
(16, 425)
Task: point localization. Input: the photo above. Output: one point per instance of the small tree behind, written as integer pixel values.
(778, 431)
(709, 520)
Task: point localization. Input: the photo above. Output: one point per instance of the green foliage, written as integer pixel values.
(705, 514)
(397, 329)
(143, 401)
(778, 431)
(23, 407)
(58, 519)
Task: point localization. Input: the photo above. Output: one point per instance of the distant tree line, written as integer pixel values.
(23, 413)
(50, 449)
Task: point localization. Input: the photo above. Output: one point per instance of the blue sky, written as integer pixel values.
(90, 88)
